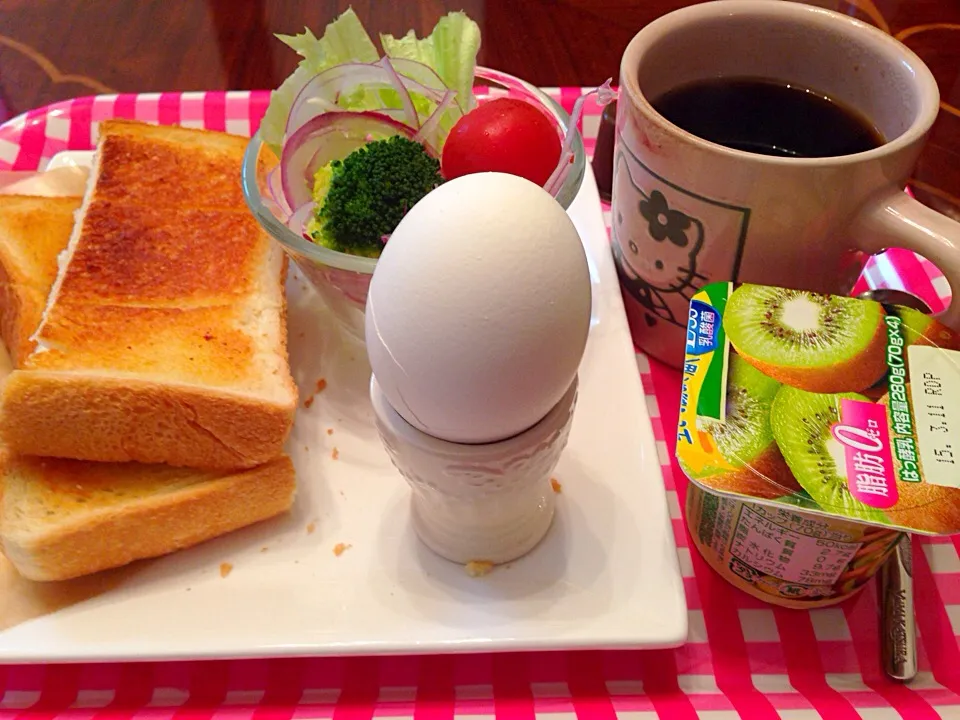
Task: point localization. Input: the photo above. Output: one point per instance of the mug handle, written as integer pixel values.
(894, 219)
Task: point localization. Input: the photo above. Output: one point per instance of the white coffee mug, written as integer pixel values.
(687, 212)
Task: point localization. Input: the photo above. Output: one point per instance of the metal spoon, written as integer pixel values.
(898, 630)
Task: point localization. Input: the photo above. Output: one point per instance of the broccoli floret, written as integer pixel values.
(369, 192)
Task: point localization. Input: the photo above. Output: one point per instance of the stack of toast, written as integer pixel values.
(149, 395)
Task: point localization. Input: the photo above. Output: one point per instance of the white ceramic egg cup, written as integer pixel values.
(491, 502)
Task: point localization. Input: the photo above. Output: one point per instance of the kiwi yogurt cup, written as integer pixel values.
(815, 430)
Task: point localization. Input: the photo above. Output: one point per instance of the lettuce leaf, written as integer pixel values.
(344, 40)
(451, 50)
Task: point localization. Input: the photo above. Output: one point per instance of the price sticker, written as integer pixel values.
(934, 395)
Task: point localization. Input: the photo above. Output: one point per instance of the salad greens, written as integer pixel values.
(362, 138)
(344, 40)
(450, 51)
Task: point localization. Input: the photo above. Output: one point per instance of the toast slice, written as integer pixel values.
(163, 339)
(33, 232)
(60, 519)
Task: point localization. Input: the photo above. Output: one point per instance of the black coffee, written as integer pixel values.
(768, 117)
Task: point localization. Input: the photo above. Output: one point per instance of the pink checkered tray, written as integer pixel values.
(743, 659)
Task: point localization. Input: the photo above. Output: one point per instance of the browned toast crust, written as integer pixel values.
(148, 296)
(155, 256)
(128, 528)
(200, 346)
(122, 419)
(166, 165)
(164, 340)
(33, 232)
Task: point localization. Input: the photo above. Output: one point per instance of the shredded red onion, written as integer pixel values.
(298, 220)
(274, 189)
(605, 94)
(516, 87)
(328, 137)
(318, 130)
(422, 79)
(405, 101)
(431, 126)
(320, 95)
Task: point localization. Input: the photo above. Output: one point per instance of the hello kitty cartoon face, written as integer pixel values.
(656, 247)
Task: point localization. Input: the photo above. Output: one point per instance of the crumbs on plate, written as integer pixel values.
(478, 568)
(340, 548)
(335, 454)
(311, 527)
(321, 386)
(225, 569)
(555, 484)
(329, 431)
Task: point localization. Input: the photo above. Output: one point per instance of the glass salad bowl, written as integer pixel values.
(341, 279)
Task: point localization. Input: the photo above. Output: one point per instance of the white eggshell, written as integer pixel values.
(479, 309)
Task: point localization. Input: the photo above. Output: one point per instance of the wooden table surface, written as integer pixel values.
(55, 49)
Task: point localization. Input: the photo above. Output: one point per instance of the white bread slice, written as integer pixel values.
(60, 519)
(163, 339)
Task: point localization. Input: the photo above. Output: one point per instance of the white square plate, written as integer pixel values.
(606, 576)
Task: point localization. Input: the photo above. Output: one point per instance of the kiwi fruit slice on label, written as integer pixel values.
(918, 328)
(819, 343)
(745, 439)
(801, 423)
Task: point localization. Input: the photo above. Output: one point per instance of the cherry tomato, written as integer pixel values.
(503, 135)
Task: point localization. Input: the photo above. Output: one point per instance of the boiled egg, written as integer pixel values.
(479, 309)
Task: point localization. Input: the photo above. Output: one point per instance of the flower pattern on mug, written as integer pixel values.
(663, 222)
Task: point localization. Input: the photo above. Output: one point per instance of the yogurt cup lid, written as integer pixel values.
(832, 405)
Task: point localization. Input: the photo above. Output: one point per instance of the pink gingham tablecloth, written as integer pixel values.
(744, 659)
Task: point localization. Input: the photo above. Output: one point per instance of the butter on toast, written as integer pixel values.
(60, 519)
(33, 232)
(163, 339)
